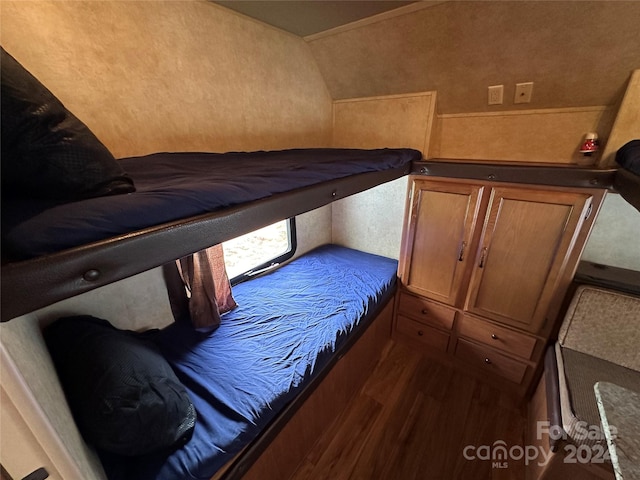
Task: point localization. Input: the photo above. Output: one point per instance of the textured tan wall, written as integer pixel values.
(313, 229)
(541, 136)
(172, 75)
(627, 122)
(388, 121)
(371, 221)
(577, 53)
(20, 451)
(29, 378)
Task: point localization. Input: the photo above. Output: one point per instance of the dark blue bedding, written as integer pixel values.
(239, 377)
(174, 186)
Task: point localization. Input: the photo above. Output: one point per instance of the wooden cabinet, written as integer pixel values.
(438, 238)
(426, 312)
(527, 237)
(412, 331)
(423, 323)
(487, 264)
(497, 337)
(490, 361)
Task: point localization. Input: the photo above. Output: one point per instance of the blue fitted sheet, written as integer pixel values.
(175, 186)
(239, 377)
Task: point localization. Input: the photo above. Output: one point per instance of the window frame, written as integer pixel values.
(275, 262)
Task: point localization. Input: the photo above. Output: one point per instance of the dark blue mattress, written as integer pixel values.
(174, 186)
(284, 331)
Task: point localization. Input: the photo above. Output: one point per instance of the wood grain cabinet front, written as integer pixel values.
(438, 237)
(420, 335)
(426, 311)
(487, 264)
(527, 239)
(486, 359)
(497, 337)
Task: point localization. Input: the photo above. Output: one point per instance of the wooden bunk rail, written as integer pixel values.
(32, 284)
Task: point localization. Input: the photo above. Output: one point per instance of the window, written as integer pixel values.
(260, 250)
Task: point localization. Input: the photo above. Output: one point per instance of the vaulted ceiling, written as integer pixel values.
(309, 17)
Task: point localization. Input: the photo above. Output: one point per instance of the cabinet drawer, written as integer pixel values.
(427, 336)
(427, 312)
(496, 336)
(490, 360)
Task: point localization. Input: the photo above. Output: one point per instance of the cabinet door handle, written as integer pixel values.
(483, 257)
(487, 361)
(494, 336)
(461, 255)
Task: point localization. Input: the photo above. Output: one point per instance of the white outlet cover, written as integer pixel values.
(495, 94)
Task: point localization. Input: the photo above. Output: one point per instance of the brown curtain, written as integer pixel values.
(207, 286)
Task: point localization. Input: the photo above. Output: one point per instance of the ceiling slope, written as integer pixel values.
(309, 17)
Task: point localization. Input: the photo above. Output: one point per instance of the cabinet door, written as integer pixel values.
(527, 238)
(438, 238)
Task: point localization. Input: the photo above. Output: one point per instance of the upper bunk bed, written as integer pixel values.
(183, 202)
(74, 218)
(68, 229)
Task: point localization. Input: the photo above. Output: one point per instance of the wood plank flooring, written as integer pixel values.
(412, 420)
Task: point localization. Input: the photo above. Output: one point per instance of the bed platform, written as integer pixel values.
(184, 202)
(250, 376)
(280, 367)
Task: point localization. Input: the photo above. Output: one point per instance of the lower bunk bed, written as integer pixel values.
(277, 351)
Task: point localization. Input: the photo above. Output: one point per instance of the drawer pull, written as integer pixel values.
(494, 336)
(487, 361)
(425, 311)
(420, 333)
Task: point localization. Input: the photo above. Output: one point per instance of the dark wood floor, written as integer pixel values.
(413, 420)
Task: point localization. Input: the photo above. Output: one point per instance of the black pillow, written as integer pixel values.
(125, 397)
(628, 156)
(46, 151)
